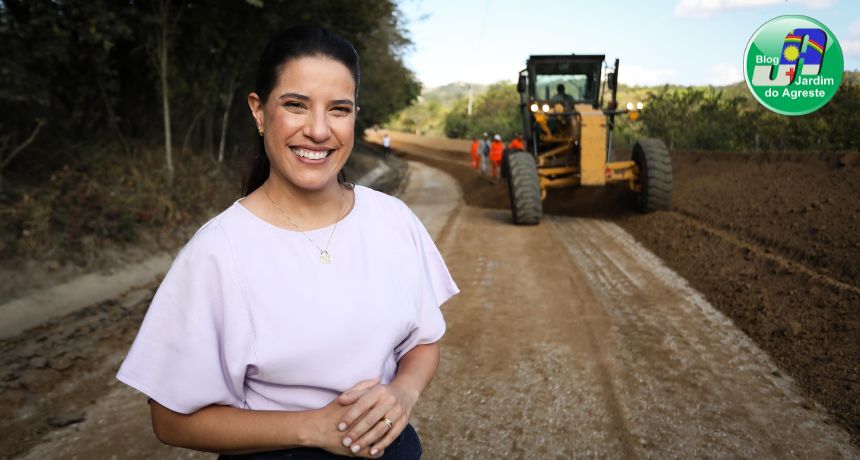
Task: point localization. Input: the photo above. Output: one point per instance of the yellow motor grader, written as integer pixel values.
(568, 132)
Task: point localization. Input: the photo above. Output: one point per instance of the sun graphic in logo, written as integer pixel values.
(791, 53)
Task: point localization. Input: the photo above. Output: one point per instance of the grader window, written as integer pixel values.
(580, 81)
(575, 86)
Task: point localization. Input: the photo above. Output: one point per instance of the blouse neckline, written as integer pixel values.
(274, 227)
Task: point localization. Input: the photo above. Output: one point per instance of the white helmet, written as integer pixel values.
(497, 137)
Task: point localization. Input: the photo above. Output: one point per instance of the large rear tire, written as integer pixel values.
(524, 188)
(655, 175)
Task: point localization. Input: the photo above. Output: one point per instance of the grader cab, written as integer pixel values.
(568, 131)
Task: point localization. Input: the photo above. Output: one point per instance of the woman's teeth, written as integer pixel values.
(311, 154)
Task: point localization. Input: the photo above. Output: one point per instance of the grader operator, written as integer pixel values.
(568, 132)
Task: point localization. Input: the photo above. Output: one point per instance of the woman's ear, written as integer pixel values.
(256, 106)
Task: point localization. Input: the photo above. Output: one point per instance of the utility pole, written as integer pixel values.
(469, 109)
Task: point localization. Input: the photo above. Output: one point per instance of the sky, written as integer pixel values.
(686, 42)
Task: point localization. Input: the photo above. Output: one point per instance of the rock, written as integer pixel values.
(37, 380)
(796, 327)
(38, 362)
(135, 298)
(849, 159)
(28, 350)
(65, 419)
(60, 364)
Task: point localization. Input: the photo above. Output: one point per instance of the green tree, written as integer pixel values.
(80, 70)
(495, 111)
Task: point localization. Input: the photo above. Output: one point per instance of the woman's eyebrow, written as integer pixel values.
(301, 97)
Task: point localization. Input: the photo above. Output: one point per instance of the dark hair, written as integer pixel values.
(297, 42)
(560, 88)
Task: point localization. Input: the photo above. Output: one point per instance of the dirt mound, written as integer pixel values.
(53, 372)
(769, 238)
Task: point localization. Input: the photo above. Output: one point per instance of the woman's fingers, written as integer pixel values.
(390, 436)
(367, 400)
(375, 404)
(366, 418)
(372, 426)
(381, 436)
(351, 395)
(363, 385)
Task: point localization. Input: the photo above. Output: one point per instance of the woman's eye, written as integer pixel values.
(344, 110)
(294, 105)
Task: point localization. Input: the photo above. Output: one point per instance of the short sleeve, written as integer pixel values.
(435, 287)
(194, 345)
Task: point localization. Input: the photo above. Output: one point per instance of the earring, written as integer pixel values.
(260, 130)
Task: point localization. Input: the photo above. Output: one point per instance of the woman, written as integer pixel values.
(306, 315)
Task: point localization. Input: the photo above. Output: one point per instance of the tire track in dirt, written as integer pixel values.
(516, 378)
(674, 352)
(762, 250)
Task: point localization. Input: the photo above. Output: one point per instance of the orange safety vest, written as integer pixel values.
(516, 144)
(474, 149)
(496, 149)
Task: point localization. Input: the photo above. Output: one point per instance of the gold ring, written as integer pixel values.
(388, 422)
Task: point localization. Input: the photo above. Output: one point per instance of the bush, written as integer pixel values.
(110, 200)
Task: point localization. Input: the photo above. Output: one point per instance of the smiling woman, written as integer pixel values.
(309, 128)
(304, 319)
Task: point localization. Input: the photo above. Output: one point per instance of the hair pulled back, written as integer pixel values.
(296, 42)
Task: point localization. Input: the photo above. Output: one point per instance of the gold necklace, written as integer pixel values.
(325, 256)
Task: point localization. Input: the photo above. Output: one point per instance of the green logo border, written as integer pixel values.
(829, 48)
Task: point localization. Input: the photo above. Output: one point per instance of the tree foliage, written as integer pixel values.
(704, 118)
(85, 69)
(726, 118)
(495, 111)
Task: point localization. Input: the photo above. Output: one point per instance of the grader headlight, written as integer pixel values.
(640, 106)
(545, 107)
(534, 107)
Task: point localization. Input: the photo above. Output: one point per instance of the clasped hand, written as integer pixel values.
(359, 415)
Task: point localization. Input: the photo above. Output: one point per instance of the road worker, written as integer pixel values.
(497, 148)
(474, 151)
(516, 143)
(484, 150)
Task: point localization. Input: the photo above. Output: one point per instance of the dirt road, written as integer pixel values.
(568, 340)
(571, 340)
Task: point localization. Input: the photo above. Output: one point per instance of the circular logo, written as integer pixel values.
(793, 65)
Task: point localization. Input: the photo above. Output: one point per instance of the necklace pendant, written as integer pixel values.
(325, 257)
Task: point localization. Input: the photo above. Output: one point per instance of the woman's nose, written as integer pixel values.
(317, 126)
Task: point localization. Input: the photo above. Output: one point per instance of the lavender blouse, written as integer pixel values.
(247, 316)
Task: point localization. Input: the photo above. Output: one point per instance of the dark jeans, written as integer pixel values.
(405, 447)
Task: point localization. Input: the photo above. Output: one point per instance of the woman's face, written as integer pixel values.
(309, 122)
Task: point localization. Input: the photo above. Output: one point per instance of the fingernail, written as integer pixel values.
(355, 449)
(342, 426)
(347, 442)
(373, 451)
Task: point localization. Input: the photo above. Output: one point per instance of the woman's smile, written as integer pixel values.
(312, 155)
